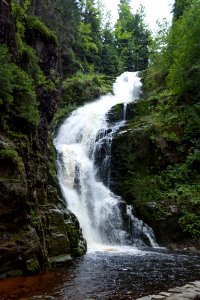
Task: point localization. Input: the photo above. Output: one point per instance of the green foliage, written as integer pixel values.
(169, 174)
(179, 7)
(90, 34)
(132, 38)
(28, 57)
(82, 88)
(62, 113)
(35, 24)
(79, 89)
(23, 21)
(88, 43)
(17, 94)
(184, 71)
(10, 155)
(159, 60)
(6, 77)
(191, 224)
(109, 54)
(31, 66)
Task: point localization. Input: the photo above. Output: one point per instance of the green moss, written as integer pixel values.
(72, 234)
(34, 23)
(11, 155)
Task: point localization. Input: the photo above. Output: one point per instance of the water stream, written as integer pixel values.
(116, 274)
(103, 216)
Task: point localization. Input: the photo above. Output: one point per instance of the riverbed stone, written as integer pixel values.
(176, 290)
(157, 297)
(165, 294)
(60, 258)
(59, 244)
(32, 266)
(190, 291)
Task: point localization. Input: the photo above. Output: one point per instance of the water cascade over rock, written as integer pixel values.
(82, 142)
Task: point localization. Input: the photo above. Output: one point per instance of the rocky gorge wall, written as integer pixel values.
(36, 229)
(139, 174)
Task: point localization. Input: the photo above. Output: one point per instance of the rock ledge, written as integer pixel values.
(188, 291)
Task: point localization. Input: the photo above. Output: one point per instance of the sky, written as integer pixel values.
(155, 9)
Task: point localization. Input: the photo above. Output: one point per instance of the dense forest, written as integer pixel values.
(57, 55)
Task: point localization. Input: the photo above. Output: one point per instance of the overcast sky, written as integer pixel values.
(155, 9)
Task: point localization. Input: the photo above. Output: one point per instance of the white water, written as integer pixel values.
(95, 206)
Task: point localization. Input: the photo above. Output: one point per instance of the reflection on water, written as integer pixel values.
(108, 274)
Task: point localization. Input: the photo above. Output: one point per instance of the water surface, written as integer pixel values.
(111, 273)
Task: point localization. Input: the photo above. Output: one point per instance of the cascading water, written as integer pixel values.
(100, 212)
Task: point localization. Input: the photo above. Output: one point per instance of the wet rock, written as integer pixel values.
(7, 27)
(59, 244)
(32, 266)
(188, 291)
(56, 220)
(60, 259)
(175, 209)
(32, 211)
(165, 294)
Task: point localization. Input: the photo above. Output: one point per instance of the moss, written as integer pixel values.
(11, 155)
(72, 234)
(34, 23)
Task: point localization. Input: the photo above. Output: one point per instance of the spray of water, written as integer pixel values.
(97, 208)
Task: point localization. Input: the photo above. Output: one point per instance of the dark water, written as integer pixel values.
(106, 275)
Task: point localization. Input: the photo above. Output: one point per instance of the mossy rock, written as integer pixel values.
(32, 266)
(72, 233)
(56, 220)
(59, 244)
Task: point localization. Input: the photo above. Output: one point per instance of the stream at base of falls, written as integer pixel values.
(112, 273)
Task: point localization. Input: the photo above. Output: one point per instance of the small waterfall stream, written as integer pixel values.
(103, 216)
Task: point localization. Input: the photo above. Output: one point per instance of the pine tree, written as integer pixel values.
(132, 38)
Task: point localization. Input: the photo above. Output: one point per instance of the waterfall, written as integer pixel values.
(103, 216)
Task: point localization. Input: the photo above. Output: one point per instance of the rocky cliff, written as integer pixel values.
(36, 229)
(148, 172)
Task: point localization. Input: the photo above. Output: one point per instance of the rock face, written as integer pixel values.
(35, 226)
(135, 156)
(7, 28)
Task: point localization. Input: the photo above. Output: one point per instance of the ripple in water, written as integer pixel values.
(115, 273)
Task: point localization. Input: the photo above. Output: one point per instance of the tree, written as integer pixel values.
(132, 38)
(63, 17)
(109, 53)
(179, 7)
(184, 71)
(90, 29)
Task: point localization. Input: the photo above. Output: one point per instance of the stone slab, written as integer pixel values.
(157, 297)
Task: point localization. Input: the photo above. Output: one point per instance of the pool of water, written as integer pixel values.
(109, 273)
